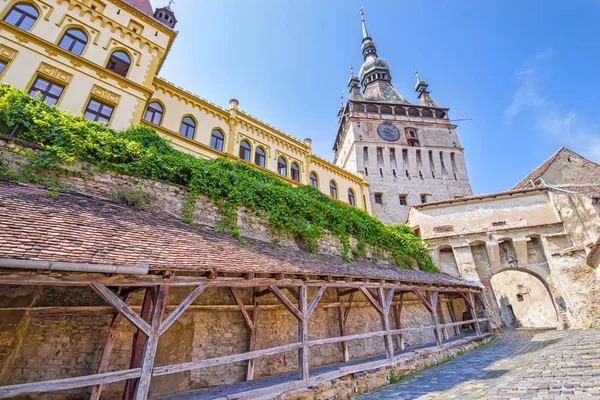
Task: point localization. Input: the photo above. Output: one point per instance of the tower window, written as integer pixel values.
(378, 198)
(403, 199)
(74, 40)
(47, 91)
(423, 198)
(22, 15)
(245, 150)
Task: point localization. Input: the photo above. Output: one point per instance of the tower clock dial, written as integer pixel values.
(388, 132)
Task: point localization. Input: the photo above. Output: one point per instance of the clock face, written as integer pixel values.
(388, 132)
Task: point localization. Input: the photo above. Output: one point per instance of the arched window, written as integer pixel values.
(119, 62)
(351, 199)
(245, 150)
(282, 166)
(154, 113)
(333, 189)
(216, 140)
(259, 157)
(188, 127)
(22, 15)
(74, 40)
(314, 180)
(295, 172)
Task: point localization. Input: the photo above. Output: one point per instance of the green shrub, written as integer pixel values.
(303, 212)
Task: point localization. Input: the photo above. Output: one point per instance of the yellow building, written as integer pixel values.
(101, 58)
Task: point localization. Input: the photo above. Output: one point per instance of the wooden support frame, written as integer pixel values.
(397, 310)
(383, 302)
(470, 300)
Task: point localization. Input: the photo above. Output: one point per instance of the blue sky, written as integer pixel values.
(526, 72)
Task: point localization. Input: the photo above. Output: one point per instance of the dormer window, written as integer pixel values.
(411, 137)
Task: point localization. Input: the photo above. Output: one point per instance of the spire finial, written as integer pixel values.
(364, 25)
(417, 75)
(342, 99)
(351, 70)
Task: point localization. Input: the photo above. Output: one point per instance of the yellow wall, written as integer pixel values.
(109, 27)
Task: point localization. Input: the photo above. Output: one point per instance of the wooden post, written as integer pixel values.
(434, 306)
(440, 311)
(398, 321)
(139, 339)
(252, 340)
(342, 324)
(303, 362)
(471, 302)
(453, 318)
(385, 320)
(486, 314)
(108, 346)
(160, 304)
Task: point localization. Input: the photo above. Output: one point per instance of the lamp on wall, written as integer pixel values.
(512, 261)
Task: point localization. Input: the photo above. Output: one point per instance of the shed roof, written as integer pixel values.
(74, 227)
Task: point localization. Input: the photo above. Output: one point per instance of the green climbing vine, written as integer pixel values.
(304, 212)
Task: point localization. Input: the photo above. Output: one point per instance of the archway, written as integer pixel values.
(525, 299)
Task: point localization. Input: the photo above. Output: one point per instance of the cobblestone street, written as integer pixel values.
(522, 364)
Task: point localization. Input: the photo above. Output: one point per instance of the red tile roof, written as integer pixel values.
(73, 227)
(142, 5)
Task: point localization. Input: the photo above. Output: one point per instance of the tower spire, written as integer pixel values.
(421, 87)
(364, 24)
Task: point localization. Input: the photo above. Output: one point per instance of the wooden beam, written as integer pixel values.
(247, 319)
(434, 304)
(315, 300)
(342, 326)
(108, 346)
(181, 308)
(371, 299)
(425, 299)
(7, 392)
(385, 321)
(117, 303)
(389, 299)
(292, 291)
(349, 291)
(398, 321)
(485, 309)
(252, 339)
(139, 340)
(193, 365)
(303, 352)
(160, 303)
(286, 302)
(441, 319)
(471, 297)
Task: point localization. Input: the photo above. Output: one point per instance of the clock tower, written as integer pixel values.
(409, 153)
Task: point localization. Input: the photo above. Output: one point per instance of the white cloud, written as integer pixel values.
(563, 125)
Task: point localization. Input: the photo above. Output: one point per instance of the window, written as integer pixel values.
(245, 150)
(520, 297)
(216, 140)
(98, 111)
(47, 91)
(378, 198)
(22, 15)
(259, 157)
(423, 198)
(351, 199)
(119, 62)
(295, 172)
(282, 166)
(188, 127)
(3, 65)
(154, 113)
(333, 189)
(314, 180)
(403, 201)
(74, 40)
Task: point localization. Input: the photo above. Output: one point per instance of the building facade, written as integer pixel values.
(408, 153)
(547, 228)
(101, 59)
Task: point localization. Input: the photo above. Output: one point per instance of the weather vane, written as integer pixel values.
(171, 2)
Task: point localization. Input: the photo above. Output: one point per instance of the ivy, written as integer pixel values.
(303, 212)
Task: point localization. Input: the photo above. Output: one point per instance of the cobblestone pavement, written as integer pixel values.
(521, 364)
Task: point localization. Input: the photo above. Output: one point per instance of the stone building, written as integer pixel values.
(409, 153)
(102, 58)
(547, 226)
